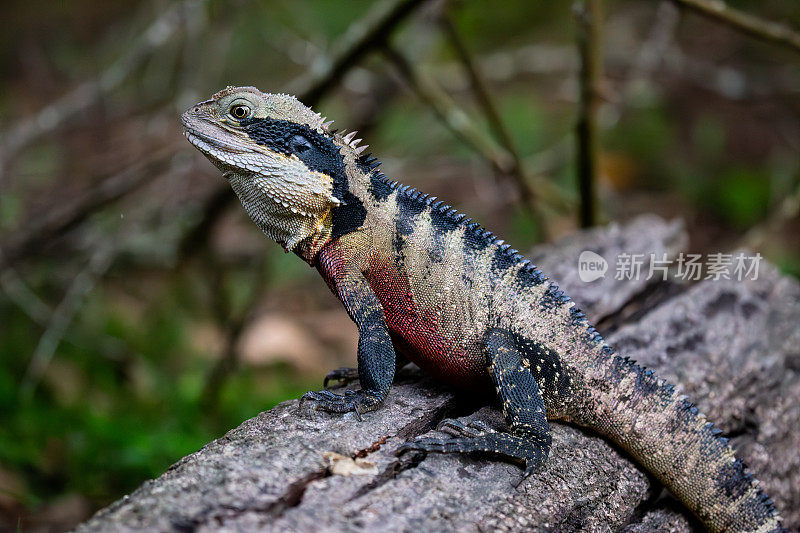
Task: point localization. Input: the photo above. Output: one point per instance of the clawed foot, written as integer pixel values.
(465, 437)
(476, 436)
(341, 376)
(356, 401)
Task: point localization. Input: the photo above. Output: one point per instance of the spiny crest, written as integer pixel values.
(346, 139)
(230, 89)
(370, 163)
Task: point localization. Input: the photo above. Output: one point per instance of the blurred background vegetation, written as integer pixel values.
(142, 314)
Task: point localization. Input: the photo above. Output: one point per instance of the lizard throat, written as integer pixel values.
(296, 221)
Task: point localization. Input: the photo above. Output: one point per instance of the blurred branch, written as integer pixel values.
(62, 317)
(452, 116)
(659, 50)
(548, 160)
(83, 96)
(509, 64)
(41, 313)
(68, 215)
(459, 123)
(653, 51)
(489, 109)
(361, 37)
(766, 30)
(589, 19)
(22, 295)
(213, 207)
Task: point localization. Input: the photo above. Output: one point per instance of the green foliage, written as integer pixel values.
(102, 420)
(415, 131)
(647, 135)
(527, 122)
(740, 196)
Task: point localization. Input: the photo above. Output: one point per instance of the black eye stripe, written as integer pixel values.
(315, 149)
(320, 154)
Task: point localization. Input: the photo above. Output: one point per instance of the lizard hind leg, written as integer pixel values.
(528, 441)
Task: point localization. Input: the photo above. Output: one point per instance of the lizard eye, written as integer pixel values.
(299, 144)
(239, 111)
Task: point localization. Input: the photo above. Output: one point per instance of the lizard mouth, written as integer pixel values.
(208, 143)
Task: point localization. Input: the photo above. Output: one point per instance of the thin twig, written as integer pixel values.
(18, 292)
(232, 322)
(41, 313)
(83, 96)
(652, 51)
(459, 123)
(361, 37)
(456, 120)
(766, 30)
(589, 19)
(539, 59)
(69, 214)
(489, 108)
(62, 317)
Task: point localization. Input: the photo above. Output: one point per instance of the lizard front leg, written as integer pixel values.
(345, 375)
(376, 355)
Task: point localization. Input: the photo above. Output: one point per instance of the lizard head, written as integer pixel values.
(280, 158)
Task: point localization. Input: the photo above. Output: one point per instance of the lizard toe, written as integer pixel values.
(456, 428)
(355, 401)
(341, 377)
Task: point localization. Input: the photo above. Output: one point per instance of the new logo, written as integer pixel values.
(591, 266)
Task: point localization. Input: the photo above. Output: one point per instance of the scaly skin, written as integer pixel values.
(423, 282)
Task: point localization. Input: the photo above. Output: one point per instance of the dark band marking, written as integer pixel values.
(443, 218)
(435, 249)
(379, 188)
(502, 260)
(476, 238)
(408, 209)
(530, 276)
(319, 152)
(545, 365)
(349, 216)
(554, 297)
(733, 479)
(579, 320)
(367, 164)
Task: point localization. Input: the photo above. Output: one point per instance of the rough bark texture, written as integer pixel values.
(733, 346)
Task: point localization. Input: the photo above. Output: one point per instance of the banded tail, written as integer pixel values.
(666, 434)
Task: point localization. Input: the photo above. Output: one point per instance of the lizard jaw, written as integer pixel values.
(206, 142)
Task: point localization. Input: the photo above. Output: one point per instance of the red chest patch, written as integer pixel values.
(422, 339)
